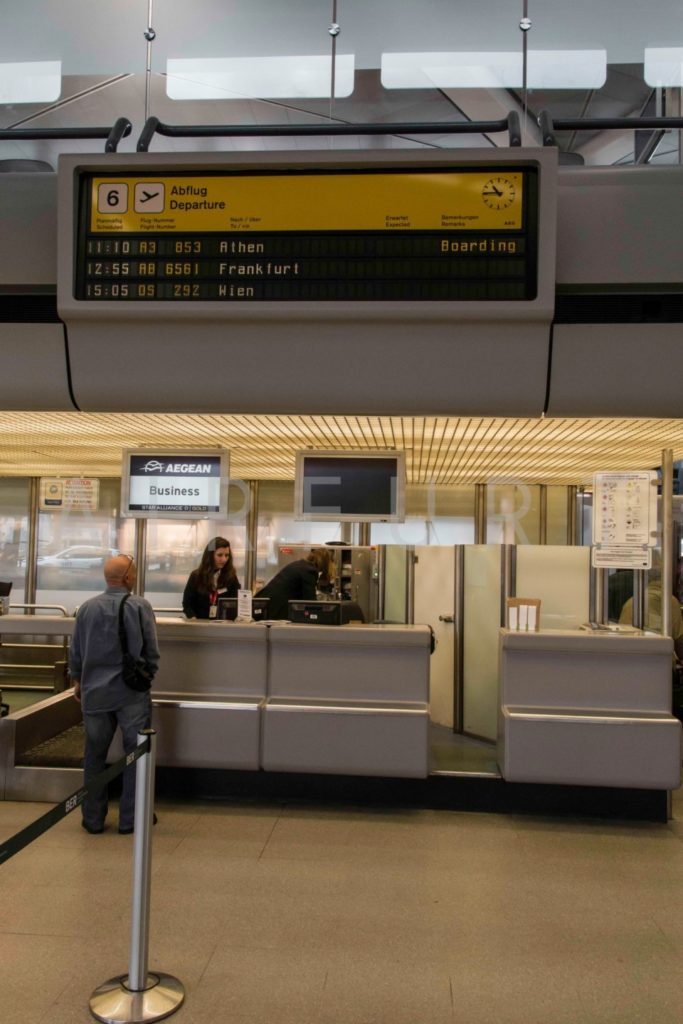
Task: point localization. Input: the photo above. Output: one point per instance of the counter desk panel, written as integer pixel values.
(351, 700)
(584, 708)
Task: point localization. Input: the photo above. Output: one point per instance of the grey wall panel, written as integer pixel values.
(33, 368)
(28, 239)
(620, 225)
(397, 368)
(617, 370)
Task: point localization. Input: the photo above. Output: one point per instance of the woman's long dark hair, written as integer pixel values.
(205, 571)
(323, 560)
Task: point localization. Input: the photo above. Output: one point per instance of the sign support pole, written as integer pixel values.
(139, 996)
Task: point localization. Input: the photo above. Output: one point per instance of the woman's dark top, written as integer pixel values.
(196, 603)
(296, 582)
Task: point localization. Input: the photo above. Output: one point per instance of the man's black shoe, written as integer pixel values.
(92, 831)
(129, 831)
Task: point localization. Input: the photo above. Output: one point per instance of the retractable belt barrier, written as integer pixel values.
(139, 995)
(27, 835)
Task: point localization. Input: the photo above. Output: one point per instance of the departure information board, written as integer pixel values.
(466, 234)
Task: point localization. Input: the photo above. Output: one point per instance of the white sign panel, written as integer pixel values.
(78, 494)
(624, 519)
(620, 556)
(181, 484)
(625, 508)
(244, 606)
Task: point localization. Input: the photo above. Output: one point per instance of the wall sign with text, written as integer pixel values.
(624, 519)
(77, 494)
(187, 484)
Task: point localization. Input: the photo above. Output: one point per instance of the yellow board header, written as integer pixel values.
(441, 201)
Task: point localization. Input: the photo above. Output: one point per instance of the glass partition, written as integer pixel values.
(560, 577)
(513, 514)
(14, 500)
(556, 515)
(395, 582)
(218, 63)
(175, 546)
(73, 547)
(277, 525)
(434, 515)
(480, 639)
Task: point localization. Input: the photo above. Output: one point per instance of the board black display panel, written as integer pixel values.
(350, 487)
(460, 234)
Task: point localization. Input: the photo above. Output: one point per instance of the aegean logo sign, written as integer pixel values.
(158, 467)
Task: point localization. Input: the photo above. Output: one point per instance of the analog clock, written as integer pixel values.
(498, 193)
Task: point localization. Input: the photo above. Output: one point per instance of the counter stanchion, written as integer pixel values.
(139, 996)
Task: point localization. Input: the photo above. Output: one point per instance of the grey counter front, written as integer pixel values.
(350, 700)
(209, 693)
(587, 708)
(281, 697)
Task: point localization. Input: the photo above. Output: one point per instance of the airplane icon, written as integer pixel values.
(149, 197)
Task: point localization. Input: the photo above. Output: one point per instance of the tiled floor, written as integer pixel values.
(301, 914)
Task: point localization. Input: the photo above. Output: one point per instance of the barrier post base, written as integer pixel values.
(114, 1003)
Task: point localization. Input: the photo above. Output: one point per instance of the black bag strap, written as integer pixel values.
(123, 638)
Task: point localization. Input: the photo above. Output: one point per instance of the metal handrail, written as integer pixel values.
(35, 629)
(153, 126)
(121, 128)
(549, 125)
(44, 607)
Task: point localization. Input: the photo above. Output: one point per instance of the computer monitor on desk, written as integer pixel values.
(325, 613)
(227, 608)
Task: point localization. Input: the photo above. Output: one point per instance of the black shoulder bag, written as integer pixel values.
(135, 671)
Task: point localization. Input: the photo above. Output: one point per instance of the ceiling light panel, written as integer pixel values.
(546, 69)
(445, 450)
(225, 78)
(38, 81)
(664, 67)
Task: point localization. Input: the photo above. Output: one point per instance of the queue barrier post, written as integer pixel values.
(139, 996)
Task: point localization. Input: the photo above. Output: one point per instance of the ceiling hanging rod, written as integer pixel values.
(153, 126)
(119, 130)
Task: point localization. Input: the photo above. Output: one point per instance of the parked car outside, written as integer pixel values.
(79, 557)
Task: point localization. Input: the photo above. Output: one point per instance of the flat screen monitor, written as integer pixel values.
(227, 608)
(361, 487)
(182, 483)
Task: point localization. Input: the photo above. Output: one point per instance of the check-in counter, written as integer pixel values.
(282, 697)
(587, 708)
(350, 700)
(208, 693)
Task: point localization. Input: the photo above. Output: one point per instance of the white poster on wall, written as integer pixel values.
(77, 494)
(624, 519)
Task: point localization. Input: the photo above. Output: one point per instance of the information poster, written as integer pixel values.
(624, 519)
(77, 494)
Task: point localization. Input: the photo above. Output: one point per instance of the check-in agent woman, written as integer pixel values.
(215, 577)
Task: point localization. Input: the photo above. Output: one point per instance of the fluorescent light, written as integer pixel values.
(259, 77)
(546, 69)
(38, 81)
(450, 70)
(566, 69)
(664, 66)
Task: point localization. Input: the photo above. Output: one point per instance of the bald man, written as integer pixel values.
(95, 664)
